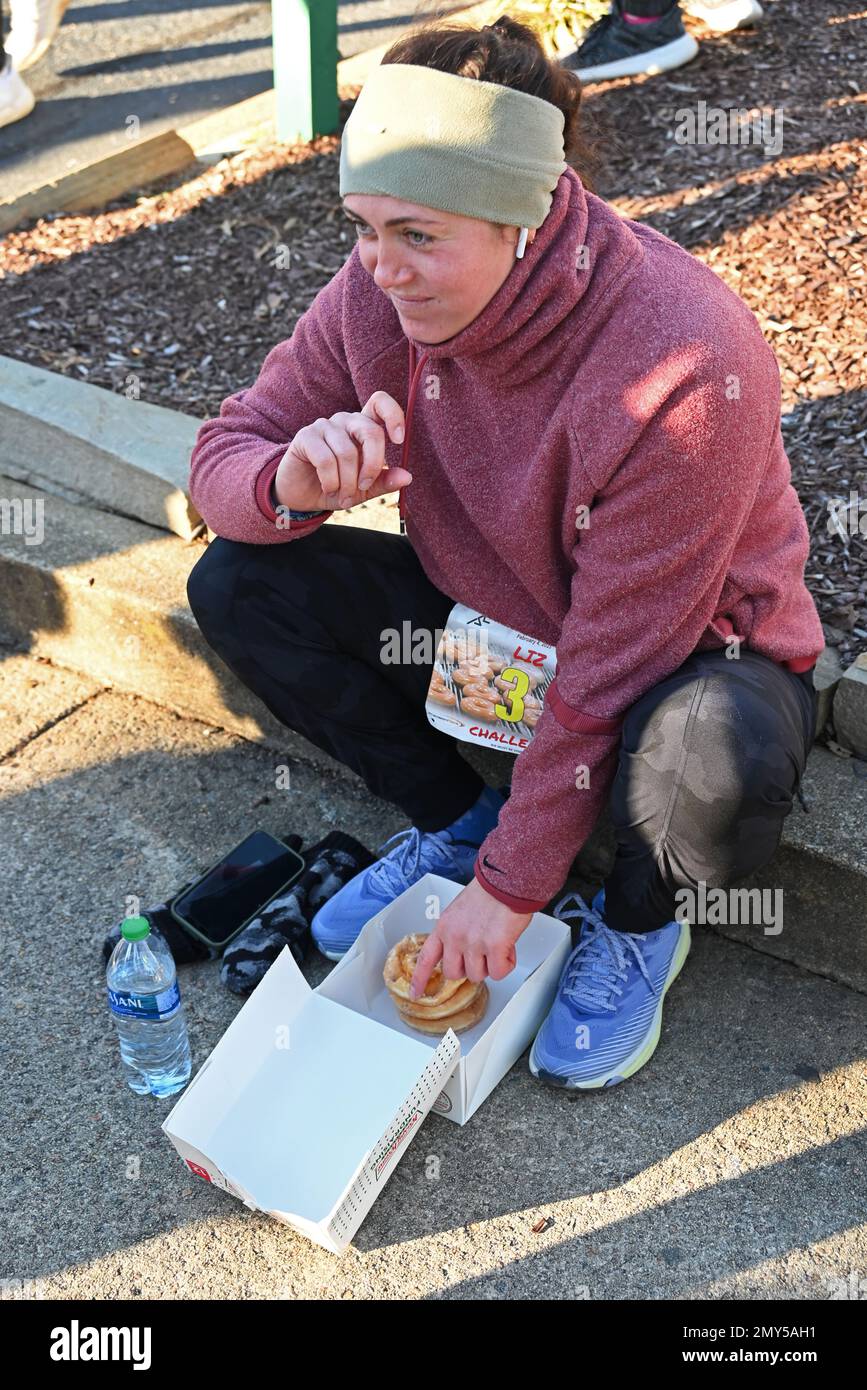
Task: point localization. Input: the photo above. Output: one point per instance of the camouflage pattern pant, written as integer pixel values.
(710, 758)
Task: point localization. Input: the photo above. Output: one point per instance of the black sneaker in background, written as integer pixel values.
(613, 48)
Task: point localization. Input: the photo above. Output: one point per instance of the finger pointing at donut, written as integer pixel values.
(474, 939)
(428, 957)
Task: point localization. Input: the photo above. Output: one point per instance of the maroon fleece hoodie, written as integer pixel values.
(624, 378)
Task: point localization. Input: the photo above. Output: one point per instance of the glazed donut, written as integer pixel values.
(480, 708)
(445, 1003)
(460, 1021)
(453, 645)
(532, 676)
(481, 688)
(472, 670)
(459, 1000)
(477, 654)
(465, 649)
(442, 695)
(399, 969)
(530, 701)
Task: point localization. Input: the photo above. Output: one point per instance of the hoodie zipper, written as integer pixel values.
(414, 374)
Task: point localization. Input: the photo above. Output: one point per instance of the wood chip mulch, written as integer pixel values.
(176, 295)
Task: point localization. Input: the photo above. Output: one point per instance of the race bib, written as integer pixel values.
(489, 681)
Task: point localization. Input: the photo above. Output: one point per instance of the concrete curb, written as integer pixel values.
(89, 444)
(105, 595)
(850, 707)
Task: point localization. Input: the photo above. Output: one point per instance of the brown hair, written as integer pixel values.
(509, 53)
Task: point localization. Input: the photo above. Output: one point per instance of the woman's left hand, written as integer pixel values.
(475, 937)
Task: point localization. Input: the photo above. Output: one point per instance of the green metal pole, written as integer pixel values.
(305, 68)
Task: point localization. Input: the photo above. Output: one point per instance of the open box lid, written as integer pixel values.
(304, 1105)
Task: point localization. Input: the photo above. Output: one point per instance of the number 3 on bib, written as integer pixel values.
(515, 694)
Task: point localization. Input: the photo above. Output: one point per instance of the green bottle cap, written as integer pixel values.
(135, 928)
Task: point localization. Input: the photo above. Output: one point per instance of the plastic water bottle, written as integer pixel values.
(145, 1002)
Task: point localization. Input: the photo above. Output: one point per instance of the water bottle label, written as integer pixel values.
(145, 1005)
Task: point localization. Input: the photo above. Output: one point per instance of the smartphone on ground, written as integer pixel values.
(221, 903)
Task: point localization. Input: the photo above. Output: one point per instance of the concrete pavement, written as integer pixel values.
(732, 1165)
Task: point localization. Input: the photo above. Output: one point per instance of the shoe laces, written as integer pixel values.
(420, 853)
(601, 958)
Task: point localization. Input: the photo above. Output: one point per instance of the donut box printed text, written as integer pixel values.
(489, 681)
(385, 1158)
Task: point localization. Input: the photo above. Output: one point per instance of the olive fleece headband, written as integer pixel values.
(453, 143)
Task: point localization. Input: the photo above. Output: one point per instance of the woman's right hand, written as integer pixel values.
(340, 462)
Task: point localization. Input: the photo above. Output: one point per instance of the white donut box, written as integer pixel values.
(311, 1097)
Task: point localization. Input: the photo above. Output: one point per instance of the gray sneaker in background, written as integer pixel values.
(725, 15)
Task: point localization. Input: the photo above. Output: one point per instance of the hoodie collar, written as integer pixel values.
(538, 293)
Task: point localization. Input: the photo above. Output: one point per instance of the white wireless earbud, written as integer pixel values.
(522, 243)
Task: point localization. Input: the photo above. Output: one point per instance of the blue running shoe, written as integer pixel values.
(450, 853)
(605, 1021)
